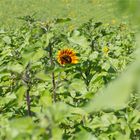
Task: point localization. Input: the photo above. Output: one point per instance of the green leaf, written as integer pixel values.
(106, 66)
(20, 93)
(8, 98)
(93, 55)
(7, 39)
(41, 75)
(78, 85)
(79, 40)
(37, 55)
(84, 135)
(21, 125)
(57, 133)
(62, 20)
(15, 67)
(2, 31)
(45, 99)
(4, 74)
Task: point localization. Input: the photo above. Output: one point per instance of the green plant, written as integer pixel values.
(42, 99)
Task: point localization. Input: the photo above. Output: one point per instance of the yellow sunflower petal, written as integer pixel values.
(67, 56)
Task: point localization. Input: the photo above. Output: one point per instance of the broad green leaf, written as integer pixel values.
(37, 55)
(21, 93)
(6, 99)
(4, 74)
(21, 126)
(41, 75)
(84, 135)
(79, 40)
(78, 85)
(15, 67)
(7, 40)
(45, 99)
(57, 133)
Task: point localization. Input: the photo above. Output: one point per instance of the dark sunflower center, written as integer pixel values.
(66, 59)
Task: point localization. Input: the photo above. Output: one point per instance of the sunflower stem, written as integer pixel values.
(53, 75)
(53, 82)
(28, 101)
(26, 79)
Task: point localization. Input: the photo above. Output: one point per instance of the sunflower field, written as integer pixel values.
(70, 82)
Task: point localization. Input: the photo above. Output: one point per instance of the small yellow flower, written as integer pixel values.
(71, 27)
(113, 21)
(67, 56)
(105, 50)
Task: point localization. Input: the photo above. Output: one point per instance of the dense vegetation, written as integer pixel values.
(69, 78)
(41, 98)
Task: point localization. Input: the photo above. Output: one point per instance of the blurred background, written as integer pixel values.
(79, 10)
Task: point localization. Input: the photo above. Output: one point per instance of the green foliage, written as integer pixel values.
(93, 100)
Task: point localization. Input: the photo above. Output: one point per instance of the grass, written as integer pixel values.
(79, 10)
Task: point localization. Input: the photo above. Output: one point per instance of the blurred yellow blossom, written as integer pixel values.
(113, 21)
(71, 27)
(105, 50)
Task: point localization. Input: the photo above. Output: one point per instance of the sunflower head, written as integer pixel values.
(67, 56)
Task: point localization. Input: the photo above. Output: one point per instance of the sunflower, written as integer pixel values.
(67, 56)
(105, 50)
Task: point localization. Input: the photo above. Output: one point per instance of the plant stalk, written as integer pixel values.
(26, 80)
(53, 75)
(28, 101)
